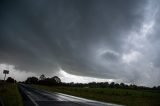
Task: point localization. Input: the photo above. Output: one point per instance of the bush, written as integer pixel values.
(10, 80)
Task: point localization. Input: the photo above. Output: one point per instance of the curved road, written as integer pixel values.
(37, 97)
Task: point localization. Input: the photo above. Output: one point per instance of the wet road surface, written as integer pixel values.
(36, 97)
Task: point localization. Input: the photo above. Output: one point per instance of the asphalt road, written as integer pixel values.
(37, 97)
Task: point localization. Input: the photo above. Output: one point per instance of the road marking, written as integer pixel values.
(78, 99)
(34, 102)
(27, 94)
(64, 97)
(1, 102)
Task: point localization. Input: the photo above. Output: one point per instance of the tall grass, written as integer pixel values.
(10, 95)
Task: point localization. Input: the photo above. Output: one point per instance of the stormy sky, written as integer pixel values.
(104, 39)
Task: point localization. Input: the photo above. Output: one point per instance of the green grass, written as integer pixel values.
(10, 95)
(120, 96)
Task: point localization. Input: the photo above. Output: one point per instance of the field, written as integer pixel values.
(120, 96)
(10, 95)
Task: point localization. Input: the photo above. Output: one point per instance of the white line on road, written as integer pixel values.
(34, 102)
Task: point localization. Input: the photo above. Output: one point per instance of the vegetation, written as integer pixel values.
(32, 80)
(10, 80)
(56, 81)
(44, 81)
(129, 97)
(10, 95)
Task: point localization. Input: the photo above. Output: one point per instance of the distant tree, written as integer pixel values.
(132, 86)
(122, 85)
(92, 84)
(112, 85)
(116, 85)
(42, 77)
(32, 80)
(10, 80)
(49, 81)
(106, 84)
(57, 79)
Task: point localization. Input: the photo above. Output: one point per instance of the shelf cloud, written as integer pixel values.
(101, 39)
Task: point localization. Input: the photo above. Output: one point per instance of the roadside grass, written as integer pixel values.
(126, 97)
(10, 95)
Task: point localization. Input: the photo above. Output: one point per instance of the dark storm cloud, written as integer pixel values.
(45, 35)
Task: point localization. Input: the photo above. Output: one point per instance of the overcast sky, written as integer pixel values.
(95, 39)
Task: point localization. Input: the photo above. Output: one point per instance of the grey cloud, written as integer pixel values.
(43, 36)
(109, 56)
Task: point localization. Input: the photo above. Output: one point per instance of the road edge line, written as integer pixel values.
(32, 100)
(1, 102)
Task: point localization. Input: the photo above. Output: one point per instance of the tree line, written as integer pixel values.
(108, 85)
(43, 80)
(56, 81)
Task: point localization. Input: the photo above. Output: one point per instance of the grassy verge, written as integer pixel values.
(120, 96)
(10, 95)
